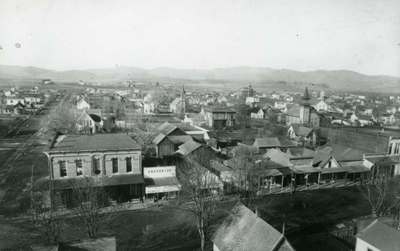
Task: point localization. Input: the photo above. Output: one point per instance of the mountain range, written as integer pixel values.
(335, 79)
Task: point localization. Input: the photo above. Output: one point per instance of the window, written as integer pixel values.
(78, 164)
(63, 168)
(128, 164)
(114, 165)
(96, 165)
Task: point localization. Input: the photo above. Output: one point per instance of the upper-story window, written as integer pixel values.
(114, 162)
(128, 164)
(63, 168)
(79, 167)
(96, 165)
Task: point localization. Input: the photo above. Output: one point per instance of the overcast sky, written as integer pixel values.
(359, 35)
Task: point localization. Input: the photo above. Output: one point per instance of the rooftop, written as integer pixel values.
(244, 230)
(381, 236)
(95, 142)
(188, 147)
(267, 142)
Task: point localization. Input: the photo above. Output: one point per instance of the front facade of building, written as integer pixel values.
(110, 161)
(219, 118)
(161, 182)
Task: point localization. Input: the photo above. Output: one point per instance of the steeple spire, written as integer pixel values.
(306, 95)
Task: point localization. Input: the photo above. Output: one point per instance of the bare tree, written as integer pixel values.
(43, 216)
(243, 162)
(199, 193)
(45, 219)
(90, 200)
(63, 118)
(382, 194)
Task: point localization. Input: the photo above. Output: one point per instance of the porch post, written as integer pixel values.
(306, 178)
(319, 178)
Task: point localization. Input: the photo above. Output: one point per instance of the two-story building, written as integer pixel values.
(110, 161)
(219, 117)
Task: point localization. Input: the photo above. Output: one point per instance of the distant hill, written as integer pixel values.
(338, 79)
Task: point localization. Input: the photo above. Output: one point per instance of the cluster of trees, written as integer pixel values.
(383, 195)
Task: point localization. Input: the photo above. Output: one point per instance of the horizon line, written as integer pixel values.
(199, 69)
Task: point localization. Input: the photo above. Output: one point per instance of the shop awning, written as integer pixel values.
(162, 185)
(97, 181)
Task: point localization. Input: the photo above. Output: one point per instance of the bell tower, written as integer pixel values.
(305, 108)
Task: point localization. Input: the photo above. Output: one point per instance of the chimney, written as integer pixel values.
(283, 228)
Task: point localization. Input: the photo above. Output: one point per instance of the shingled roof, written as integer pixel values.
(188, 147)
(244, 230)
(381, 236)
(95, 142)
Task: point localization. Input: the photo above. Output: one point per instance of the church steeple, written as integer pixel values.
(183, 100)
(306, 95)
(305, 100)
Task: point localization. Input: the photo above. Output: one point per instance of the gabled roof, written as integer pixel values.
(157, 140)
(96, 118)
(267, 142)
(322, 156)
(381, 236)
(166, 128)
(188, 147)
(95, 142)
(244, 230)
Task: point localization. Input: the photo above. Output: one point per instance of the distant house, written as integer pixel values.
(111, 161)
(219, 117)
(263, 144)
(258, 113)
(149, 107)
(302, 134)
(13, 100)
(85, 123)
(387, 119)
(16, 109)
(252, 101)
(281, 105)
(321, 106)
(378, 236)
(245, 230)
(82, 104)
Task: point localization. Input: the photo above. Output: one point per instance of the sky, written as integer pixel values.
(358, 35)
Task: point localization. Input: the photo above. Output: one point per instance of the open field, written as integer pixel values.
(308, 215)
